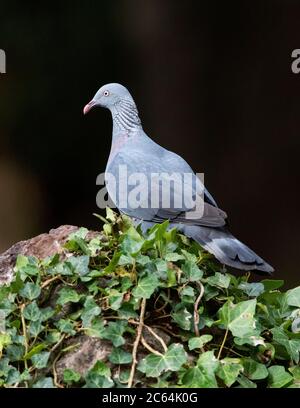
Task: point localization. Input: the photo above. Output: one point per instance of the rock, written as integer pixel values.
(40, 246)
(85, 356)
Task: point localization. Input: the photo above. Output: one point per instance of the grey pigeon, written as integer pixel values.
(132, 149)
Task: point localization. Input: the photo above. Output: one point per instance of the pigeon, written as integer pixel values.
(133, 152)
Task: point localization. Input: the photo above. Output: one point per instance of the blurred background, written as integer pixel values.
(212, 82)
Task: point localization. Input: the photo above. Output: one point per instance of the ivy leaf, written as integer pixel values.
(66, 326)
(253, 340)
(79, 264)
(99, 376)
(146, 287)
(220, 280)
(272, 284)
(40, 360)
(66, 295)
(114, 332)
(293, 297)
(35, 328)
(203, 374)
(153, 365)
(32, 312)
(278, 377)
(91, 309)
(111, 215)
(30, 291)
(229, 369)
(15, 352)
(132, 242)
(192, 271)
(198, 342)
(115, 299)
(254, 370)
(119, 356)
(173, 257)
(46, 382)
(96, 329)
(5, 340)
(252, 289)
(183, 318)
(245, 382)
(37, 349)
(238, 318)
(71, 376)
(292, 346)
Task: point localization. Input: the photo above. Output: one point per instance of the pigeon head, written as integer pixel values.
(109, 96)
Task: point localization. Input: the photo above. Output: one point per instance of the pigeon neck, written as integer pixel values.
(125, 116)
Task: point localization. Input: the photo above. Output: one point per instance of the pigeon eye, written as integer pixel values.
(105, 93)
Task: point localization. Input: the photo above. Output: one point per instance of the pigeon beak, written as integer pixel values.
(88, 107)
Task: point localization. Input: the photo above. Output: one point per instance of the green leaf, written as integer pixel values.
(115, 299)
(293, 297)
(80, 233)
(131, 242)
(99, 376)
(239, 318)
(15, 352)
(295, 371)
(146, 287)
(91, 309)
(71, 376)
(198, 342)
(119, 356)
(66, 326)
(292, 346)
(183, 318)
(111, 215)
(192, 271)
(5, 340)
(35, 328)
(278, 377)
(46, 382)
(245, 382)
(66, 295)
(153, 365)
(114, 332)
(35, 350)
(40, 360)
(272, 284)
(252, 289)
(202, 375)
(173, 257)
(30, 291)
(220, 280)
(254, 370)
(229, 369)
(96, 329)
(32, 312)
(253, 340)
(79, 264)
(21, 261)
(113, 263)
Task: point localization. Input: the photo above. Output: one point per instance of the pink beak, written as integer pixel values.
(88, 107)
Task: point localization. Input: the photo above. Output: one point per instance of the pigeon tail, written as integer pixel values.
(227, 249)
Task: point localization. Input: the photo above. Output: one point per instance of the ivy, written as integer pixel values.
(171, 314)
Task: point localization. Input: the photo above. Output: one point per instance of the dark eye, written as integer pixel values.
(105, 93)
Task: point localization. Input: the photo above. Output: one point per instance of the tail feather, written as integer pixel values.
(227, 249)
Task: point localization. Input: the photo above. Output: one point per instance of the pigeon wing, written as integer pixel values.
(164, 164)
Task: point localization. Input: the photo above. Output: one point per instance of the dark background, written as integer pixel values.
(212, 82)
